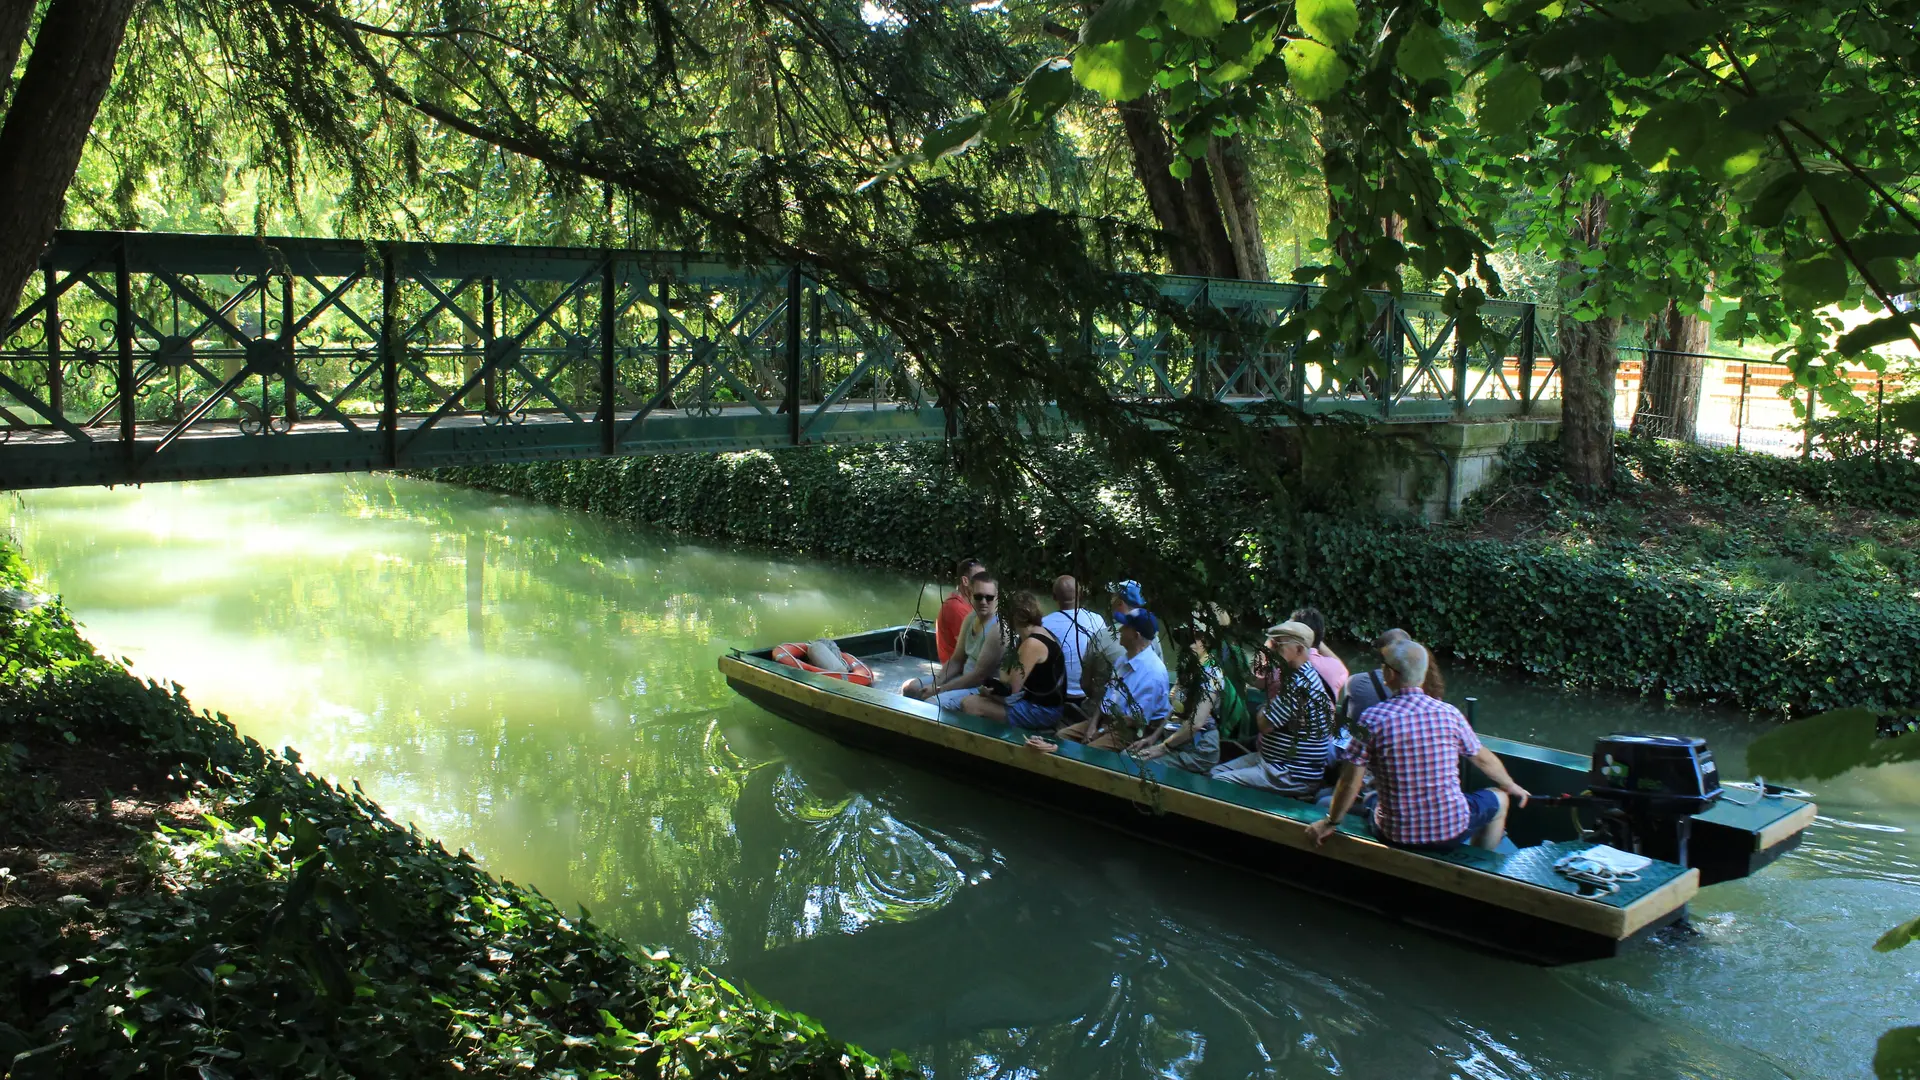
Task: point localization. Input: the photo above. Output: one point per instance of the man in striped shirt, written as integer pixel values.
(1415, 744)
(1296, 726)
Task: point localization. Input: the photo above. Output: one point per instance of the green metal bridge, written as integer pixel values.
(142, 357)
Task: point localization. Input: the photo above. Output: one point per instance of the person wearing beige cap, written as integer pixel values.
(1296, 724)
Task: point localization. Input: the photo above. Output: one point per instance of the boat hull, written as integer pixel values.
(1505, 914)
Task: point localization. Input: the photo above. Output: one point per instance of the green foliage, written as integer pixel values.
(301, 932)
(1590, 615)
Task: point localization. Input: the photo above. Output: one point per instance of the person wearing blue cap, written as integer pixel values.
(1136, 698)
(1104, 654)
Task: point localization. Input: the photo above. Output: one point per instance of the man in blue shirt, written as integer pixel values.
(1136, 698)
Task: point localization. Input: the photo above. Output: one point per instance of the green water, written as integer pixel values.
(539, 687)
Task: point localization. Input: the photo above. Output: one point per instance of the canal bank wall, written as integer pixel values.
(177, 900)
(1581, 615)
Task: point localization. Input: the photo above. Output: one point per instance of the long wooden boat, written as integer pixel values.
(1512, 903)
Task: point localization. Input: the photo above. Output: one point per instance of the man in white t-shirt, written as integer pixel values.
(1075, 628)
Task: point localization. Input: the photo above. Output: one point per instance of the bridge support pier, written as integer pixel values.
(1427, 470)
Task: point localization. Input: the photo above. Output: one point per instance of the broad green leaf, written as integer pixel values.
(953, 137)
(1466, 11)
(1424, 52)
(1769, 208)
(1315, 71)
(1243, 59)
(1118, 19)
(1899, 937)
(1200, 18)
(1181, 167)
(1515, 10)
(1117, 70)
(1331, 22)
(1814, 283)
(1669, 134)
(1760, 114)
(1843, 196)
(1509, 101)
(1886, 245)
(1595, 172)
(1878, 332)
(1050, 85)
(1897, 1055)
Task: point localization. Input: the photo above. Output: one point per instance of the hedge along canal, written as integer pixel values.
(1583, 616)
(537, 686)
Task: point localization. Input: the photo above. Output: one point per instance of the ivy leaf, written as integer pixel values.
(1116, 70)
(1509, 101)
(1814, 283)
(1900, 936)
(1878, 332)
(1118, 19)
(1315, 71)
(1424, 52)
(1331, 22)
(1897, 1055)
(1200, 18)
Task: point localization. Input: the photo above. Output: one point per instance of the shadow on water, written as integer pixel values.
(540, 688)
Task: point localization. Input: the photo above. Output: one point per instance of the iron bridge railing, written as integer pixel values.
(141, 357)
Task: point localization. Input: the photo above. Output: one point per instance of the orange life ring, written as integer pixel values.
(794, 654)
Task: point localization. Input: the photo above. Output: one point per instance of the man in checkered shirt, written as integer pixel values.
(1414, 745)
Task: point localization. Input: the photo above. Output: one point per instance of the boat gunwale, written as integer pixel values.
(922, 722)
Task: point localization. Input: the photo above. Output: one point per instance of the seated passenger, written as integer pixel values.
(1035, 691)
(1296, 724)
(955, 609)
(1332, 669)
(1075, 628)
(1414, 743)
(1368, 688)
(1136, 697)
(1194, 744)
(974, 659)
(1105, 652)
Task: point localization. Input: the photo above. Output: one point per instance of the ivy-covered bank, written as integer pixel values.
(1594, 610)
(178, 901)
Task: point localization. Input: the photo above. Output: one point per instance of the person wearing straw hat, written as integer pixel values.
(1296, 724)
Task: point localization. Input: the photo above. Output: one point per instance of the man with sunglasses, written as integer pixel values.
(976, 656)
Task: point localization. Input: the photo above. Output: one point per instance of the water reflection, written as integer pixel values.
(540, 688)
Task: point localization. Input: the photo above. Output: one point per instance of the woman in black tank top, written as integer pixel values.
(1035, 691)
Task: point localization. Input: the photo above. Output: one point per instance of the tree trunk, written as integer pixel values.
(15, 15)
(1669, 406)
(1234, 186)
(1588, 363)
(1188, 213)
(46, 128)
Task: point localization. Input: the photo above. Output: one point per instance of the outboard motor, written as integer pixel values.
(1649, 787)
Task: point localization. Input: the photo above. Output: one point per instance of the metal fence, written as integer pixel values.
(1742, 405)
(143, 357)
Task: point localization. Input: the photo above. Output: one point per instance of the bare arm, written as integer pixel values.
(1032, 652)
(1344, 793)
(988, 666)
(1489, 763)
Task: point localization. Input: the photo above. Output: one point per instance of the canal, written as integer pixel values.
(539, 688)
